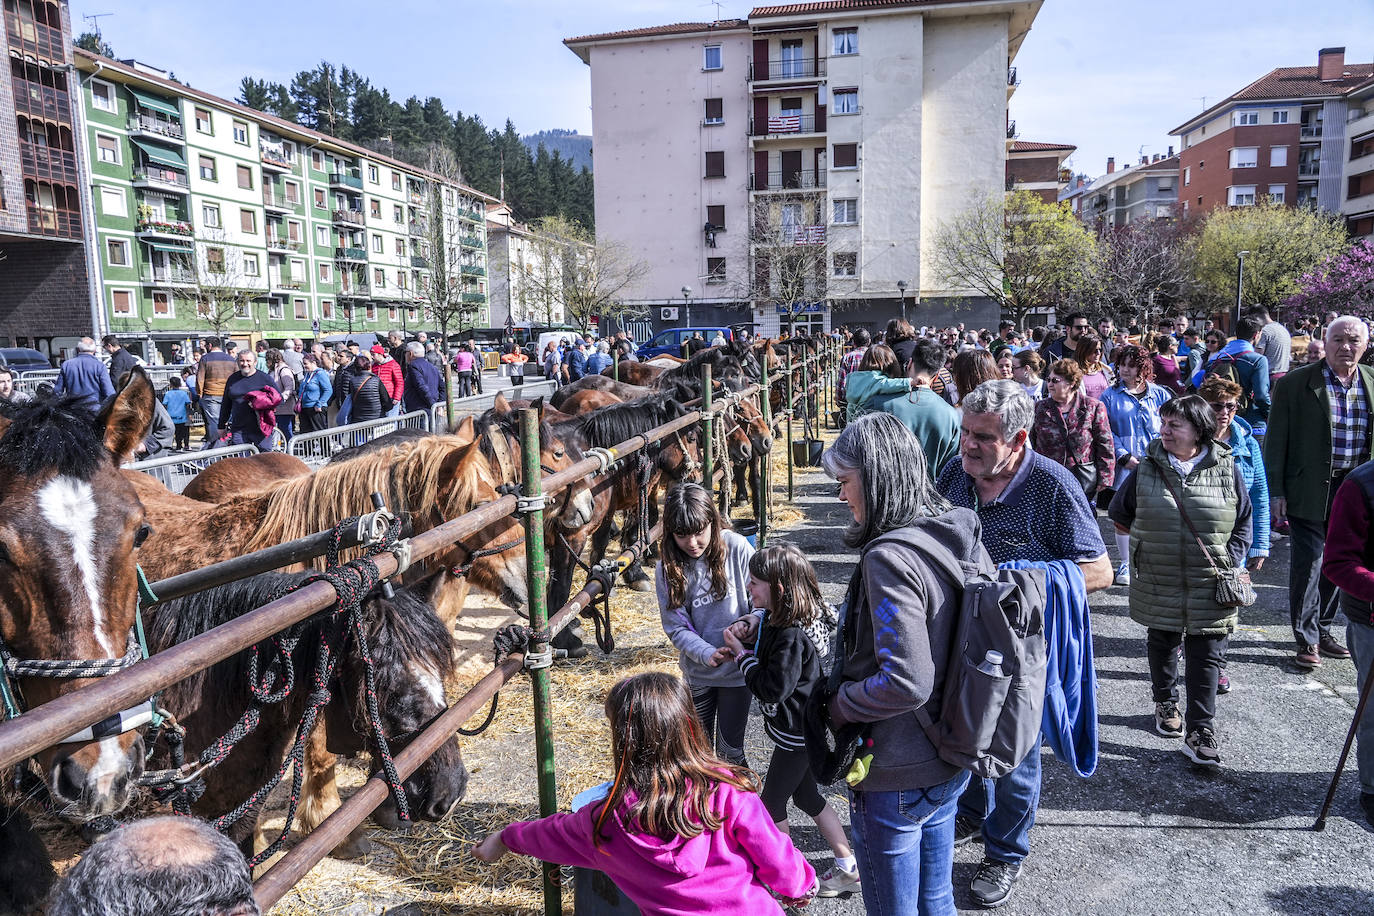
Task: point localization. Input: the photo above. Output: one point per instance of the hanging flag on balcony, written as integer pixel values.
(784, 124)
(809, 235)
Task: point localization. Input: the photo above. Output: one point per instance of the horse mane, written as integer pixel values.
(507, 423)
(51, 434)
(406, 474)
(721, 363)
(617, 422)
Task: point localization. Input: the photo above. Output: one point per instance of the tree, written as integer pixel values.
(1145, 270)
(93, 42)
(1019, 251)
(1341, 283)
(569, 275)
(1284, 243)
(790, 255)
(255, 93)
(215, 283)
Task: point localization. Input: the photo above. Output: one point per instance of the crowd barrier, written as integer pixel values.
(481, 403)
(315, 449)
(176, 471)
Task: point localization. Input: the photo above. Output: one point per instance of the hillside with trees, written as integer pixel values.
(575, 147)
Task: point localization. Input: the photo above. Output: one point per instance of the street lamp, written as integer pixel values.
(901, 288)
(1240, 280)
(687, 306)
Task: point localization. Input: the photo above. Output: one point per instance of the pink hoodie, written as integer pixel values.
(727, 872)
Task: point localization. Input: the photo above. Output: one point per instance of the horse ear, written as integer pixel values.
(538, 404)
(124, 421)
(466, 430)
(500, 404)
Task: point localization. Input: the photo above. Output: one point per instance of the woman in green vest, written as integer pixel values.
(1173, 581)
(879, 379)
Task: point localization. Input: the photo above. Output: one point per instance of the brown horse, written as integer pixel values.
(232, 477)
(587, 400)
(634, 373)
(69, 528)
(622, 390)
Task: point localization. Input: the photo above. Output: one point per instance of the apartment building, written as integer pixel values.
(1146, 190)
(44, 298)
(1282, 137)
(1038, 167)
(790, 166)
(1357, 185)
(209, 214)
(526, 271)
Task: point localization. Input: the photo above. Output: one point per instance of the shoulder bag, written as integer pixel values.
(1234, 588)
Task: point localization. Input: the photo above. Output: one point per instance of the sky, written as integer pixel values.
(1108, 76)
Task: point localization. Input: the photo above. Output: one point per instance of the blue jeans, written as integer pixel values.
(1013, 799)
(904, 842)
(209, 411)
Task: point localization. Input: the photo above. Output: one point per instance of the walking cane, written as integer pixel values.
(1345, 752)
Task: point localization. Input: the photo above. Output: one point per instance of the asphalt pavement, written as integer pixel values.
(1149, 832)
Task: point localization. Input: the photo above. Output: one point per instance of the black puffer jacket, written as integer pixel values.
(366, 391)
(781, 672)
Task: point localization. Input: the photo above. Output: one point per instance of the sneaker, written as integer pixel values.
(1123, 575)
(1329, 647)
(1308, 658)
(838, 882)
(1223, 682)
(966, 830)
(1201, 747)
(993, 881)
(1168, 722)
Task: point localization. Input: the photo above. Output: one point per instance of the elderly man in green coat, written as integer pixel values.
(1319, 431)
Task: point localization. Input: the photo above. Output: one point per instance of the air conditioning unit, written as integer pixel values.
(668, 313)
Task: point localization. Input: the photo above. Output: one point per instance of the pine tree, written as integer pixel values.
(254, 93)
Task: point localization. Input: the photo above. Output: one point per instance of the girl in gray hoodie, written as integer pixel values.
(702, 580)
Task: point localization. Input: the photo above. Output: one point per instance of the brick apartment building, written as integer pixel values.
(836, 135)
(44, 294)
(1038, 167)
(1282, 137)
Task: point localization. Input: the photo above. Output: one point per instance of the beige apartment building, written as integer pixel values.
(793, 165)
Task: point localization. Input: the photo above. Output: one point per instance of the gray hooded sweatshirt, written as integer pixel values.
(696, 629)
(899, 626)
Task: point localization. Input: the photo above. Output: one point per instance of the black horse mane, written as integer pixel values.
(395, 437)
(615, 423)
(51, 434)
(723, 365)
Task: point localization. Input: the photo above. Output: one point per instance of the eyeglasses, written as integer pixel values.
(1225, 405)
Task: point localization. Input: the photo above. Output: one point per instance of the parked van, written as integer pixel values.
(671, 340)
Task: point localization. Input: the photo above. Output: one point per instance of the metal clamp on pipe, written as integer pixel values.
(373, 527)
(604, 458)
(401, 550)
(528, 504)
(542, 659)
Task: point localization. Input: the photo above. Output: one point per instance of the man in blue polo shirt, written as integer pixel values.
(1031, 508)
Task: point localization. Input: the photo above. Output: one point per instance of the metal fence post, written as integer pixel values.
(708, 462)
(615, 364)
(538, 587)
(787, 417)
(764, 482)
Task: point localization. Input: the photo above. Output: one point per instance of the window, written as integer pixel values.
(1278, 156)
(317, 160)
(715, 165)
(300, 310)
(241, 132)
(274, 309)
(293, 230)
(214, 260)
(203, 122)
(103, 96)
(378, 277)
(1277, 192)
(322, 236)
(1165, 185)
(251, 266)
(374, 208)
(162, 305)
(846, 263)
(1244, 157)
(400, 248)
(209, 215)
(1280, 116)
(715, 111)
(207, 167)
(448, 197)
(711, 58)
(846, 42)
(108, 148)
(326, 309)
(370, 312)
(122, 302)
(292, 192)
(113, 202)
(326, 273)
(248, 222)
(715, 270)
(398, 214)
(1187, 176)
(245, 176)
(1245, 118)
(846, 211)
(374, 175)
(1240, 195)
(320, 199)
(395, 180)
(845, 156)
(117, 252)
(376, 243)
(846, 101)
(401, 282)
(715, 215)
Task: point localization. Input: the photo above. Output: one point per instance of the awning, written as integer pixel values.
(169, 248)
(160, 155)
(147, 100)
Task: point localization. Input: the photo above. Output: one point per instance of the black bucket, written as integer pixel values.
(807, 452)
(747, 529)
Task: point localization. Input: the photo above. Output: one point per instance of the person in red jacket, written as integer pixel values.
(391, 374)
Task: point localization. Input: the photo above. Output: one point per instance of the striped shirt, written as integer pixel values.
(1349, 420)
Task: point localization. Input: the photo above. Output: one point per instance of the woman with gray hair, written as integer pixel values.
(896, 629)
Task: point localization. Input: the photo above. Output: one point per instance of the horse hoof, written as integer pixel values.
(356, 846)
(642, 585)
(579, 651)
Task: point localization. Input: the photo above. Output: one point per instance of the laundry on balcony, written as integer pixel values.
(784, 124)
(808, 235)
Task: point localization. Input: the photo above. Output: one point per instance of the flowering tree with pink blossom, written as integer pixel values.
(1342, 283)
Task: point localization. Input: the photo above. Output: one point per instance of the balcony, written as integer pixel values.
(271, 200)
(164, 229)
(778, 235)
(281, 281)
(796, 180)
(419, 227)
(1309, 169)
(346, 180)
(357, 289)
(470, 241)
(471, 216)
(37, 100)
(416, 198)
(1012, 79)
(145, 125)
(47, 164)
(1011, 130)
(351, 254)
(786, 124)
(1310, 132)
(347, 216)
(167, 275)
(277, 243)
(420, 261)
(65, 224)
(791, 69)
(160, 179)
(472, 270)
(474, 297)
(35, 39)
(274, 158)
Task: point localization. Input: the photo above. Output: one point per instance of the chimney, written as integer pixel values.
(1111, 164)
(1144, 160)
(1170, 154)
(1080, 181)
(1330, 64)
(1156, 158)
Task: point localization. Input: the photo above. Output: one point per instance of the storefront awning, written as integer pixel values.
(161, 155)
(150, 101)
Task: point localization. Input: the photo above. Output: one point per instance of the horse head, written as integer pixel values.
(493, 558)
(572, 508)
(748, 415)
(69, 527)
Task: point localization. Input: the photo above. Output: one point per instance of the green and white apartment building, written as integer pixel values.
(205, 212)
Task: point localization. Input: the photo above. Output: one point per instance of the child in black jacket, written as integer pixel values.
(781, 666)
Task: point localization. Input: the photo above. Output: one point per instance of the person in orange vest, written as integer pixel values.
(515, 366)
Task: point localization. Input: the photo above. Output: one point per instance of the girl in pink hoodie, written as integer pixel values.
(680, 830)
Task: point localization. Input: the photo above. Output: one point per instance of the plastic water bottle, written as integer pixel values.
(992, 664)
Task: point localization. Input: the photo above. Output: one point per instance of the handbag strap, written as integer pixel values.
(1178, 500)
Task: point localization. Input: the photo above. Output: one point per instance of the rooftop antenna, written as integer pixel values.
(94, 20)
(717, 4)
(1203, 100)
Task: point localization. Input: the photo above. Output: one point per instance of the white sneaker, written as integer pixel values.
(1123, 574)
(837, 881)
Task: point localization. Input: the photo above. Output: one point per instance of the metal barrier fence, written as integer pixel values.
(481, 403)
(28, 382)
(176, 471)
(159, 375)
(315, 449)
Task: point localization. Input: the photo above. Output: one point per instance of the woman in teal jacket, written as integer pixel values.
(878, 380)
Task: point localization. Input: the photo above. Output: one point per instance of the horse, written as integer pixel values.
(664, 361)
(726, 368)
(232, 477)
(70, 529)
(622, 390)
(26, 872)
(412, 658)
(633, 373)
(587, 400)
